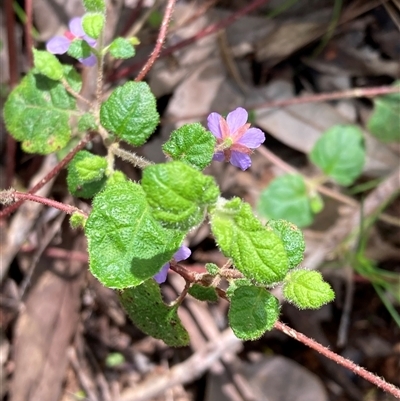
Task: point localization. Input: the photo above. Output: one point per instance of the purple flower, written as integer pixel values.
(235, 138)
(181, 254)
(60, 44)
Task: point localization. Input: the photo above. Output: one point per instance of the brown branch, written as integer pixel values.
(199, 35)
(365, 374)
(160, 40)
(313, 98)
(28, 32)
(51, 174)
(10, 196)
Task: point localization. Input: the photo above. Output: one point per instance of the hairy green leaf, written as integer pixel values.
(191, 144)
(93, 24)
(150, 314)
(126, 244)
(203, 293)
(307, 289)
(48, 64)
(178, 193)
(256, 252)
(130, 112)
(252, 312)
(38, 111)
(79, 49)
(95, 5)
(292, 238)
(121, 48)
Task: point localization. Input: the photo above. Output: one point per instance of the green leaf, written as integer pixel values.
(316, 202)
(126, 244)
(256, 252)
(252, 312)
(148, 312)
(292, 238)
(93, 24)
(340, 153)
(286, 198)
(203, 293)
(178, 193)
(130, 112)
(86, 174)
(38, 111)
(77, 220)
(95, 6)
(384, 122)
(191, 144)
(121, 48)
(87, 122)
(79, 49)
(212, 269)
(307, 289)
(114, 359)
(48, 64)
(235, 284)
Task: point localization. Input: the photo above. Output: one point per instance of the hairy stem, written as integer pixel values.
(51, 174)
(10, 196)
(130, 157)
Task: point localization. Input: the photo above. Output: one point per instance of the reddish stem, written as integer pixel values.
(68, 209)
(13, 72)
(365, 374)
(28, 32)
(384, 385)
(204, 32)
(50, 174)
(160, 40)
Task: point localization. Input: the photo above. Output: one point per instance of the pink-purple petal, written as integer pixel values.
(240, 160)
(236, 119)
(75, 26)
(161, 276)
(213, 123)
(89, 61)
(58, 45)
(182, 253)
(219, 156)
(90, 41)
(252, 138)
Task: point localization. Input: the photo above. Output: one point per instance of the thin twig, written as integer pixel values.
(209, 30)
(9, 195)
(13, 71)
(28, 31)
(160, 40)
(365, 374)
(130, 157)
(75, 94)
(51, 174)
(313, 98)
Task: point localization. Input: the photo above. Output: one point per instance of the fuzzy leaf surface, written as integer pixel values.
(256, 251)
(95, 6)
(178, 193)
(121, 48)
(38, 110)
(150, 314)
(191, 144)
(93, 24)
(126, 244)
(307, 290)
(130, 112)
(252, 312)
(286, 198)
(292, 238)
(203, 293)
(48, 64)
